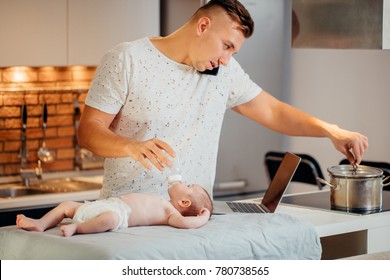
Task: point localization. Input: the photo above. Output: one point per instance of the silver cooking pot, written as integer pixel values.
(356, 189)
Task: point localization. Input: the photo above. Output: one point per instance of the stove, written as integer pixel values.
(321, 200)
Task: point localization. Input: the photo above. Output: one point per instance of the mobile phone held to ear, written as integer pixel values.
(212, 72)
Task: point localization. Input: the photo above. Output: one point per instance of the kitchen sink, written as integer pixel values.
(62, 185)
(15, 191)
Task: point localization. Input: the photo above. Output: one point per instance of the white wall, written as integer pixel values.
(347, 87)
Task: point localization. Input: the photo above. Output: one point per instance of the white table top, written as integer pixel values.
(328, 222)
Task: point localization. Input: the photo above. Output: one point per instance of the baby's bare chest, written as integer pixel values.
(153, 211)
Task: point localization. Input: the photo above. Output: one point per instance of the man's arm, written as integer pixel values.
(179, 221)
(281, 117)
(95, 135)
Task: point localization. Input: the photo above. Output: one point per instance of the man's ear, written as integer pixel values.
(203, 24)
(184, 203)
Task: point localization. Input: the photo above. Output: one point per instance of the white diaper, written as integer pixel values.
(92, 209)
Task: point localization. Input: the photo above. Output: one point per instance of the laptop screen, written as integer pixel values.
(280, 181)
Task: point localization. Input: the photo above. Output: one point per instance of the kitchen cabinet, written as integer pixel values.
(33, 32)
(71, 32)
(8, 217)
(96, 26)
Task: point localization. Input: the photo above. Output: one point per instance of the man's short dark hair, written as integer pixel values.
(236, 11)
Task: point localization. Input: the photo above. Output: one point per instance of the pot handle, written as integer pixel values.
(326, 182)
(387, 184)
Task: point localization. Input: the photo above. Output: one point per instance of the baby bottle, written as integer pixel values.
(173, 172)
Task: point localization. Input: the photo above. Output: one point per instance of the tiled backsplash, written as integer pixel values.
(62, 88)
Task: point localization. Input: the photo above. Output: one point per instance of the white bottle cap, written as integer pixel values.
(174, 178)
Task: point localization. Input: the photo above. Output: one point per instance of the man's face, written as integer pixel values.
(218, 40)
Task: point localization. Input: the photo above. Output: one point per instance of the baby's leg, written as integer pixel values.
(28, 223)
(101, 223)
(65, 209)
(69, 230)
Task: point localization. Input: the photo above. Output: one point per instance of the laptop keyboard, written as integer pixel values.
(243, 207)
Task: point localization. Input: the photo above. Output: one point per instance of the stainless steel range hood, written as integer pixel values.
(386, 24)
(341, 24)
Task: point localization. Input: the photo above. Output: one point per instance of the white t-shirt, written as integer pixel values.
(154, 96)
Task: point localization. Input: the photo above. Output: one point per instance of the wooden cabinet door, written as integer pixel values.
(33, 33)
(95, 26)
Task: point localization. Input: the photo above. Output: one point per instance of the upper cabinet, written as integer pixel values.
(71, 32)
(33, 32)
(96, 26)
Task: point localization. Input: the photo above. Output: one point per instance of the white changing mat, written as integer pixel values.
(238, 236)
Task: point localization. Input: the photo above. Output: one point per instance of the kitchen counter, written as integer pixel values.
(50, 199)
(343, 234)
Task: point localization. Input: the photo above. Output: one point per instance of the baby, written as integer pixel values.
(189, 206)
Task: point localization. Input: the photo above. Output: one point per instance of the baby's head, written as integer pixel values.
(189, 200)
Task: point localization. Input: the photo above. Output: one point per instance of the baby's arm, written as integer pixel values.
(179, 221)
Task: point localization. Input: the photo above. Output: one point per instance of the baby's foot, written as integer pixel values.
(69, 230)
(29, 224)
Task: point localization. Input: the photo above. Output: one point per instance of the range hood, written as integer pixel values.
(386, 24)
(341, 24)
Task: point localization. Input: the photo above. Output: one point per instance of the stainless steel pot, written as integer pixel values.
(356, 189)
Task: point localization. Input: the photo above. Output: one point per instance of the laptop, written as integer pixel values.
(272, 196)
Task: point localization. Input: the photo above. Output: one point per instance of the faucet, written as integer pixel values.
(27, 174)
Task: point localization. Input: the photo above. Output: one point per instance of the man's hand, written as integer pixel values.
(153, 151)
(352, 144)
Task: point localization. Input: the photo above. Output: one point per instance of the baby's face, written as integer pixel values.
(180, 190)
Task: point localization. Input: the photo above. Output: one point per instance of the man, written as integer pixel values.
(149, 100)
